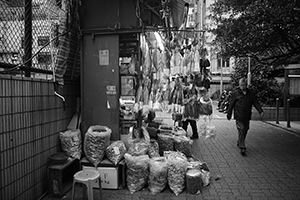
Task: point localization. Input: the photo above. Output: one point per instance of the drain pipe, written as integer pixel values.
(60, 96)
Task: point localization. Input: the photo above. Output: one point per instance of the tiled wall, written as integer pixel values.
(31, 117)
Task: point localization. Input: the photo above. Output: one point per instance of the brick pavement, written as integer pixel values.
(271, 169)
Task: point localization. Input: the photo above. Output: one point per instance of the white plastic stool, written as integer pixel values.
(87, 177)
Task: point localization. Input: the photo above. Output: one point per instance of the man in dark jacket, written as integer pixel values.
(241, 102)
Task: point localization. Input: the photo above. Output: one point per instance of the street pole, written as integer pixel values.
(221, 81)
(28, 37)
(199, 21)
(249, 73)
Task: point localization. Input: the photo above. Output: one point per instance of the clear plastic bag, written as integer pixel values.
(71, 143)
(207, 129)
(183, 144)
(177, 166)
(153, 150)
(165, 142)
(158, 168)
(116, 151)
(137, 172)
(138, 147)
(97, 139)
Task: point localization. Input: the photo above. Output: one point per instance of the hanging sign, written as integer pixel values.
(103, 57)
(111, 89)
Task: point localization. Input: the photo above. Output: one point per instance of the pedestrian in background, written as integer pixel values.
(241, 102)
(191, 108)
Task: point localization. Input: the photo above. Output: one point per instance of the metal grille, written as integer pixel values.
(29, 32)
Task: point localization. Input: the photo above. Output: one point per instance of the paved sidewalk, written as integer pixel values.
(270, 170)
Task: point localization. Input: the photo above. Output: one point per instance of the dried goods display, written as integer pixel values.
(194, 165)
(71, 143)
(179, 131)
(183, 144)
(166, 129)
(153, 150)
(202, 167)
(138, 147)
(116, 151)
(193, 181)
(177, 166)
(165, 142)
(205, 176)
(158, 173)
(97, 139)
(137, 172)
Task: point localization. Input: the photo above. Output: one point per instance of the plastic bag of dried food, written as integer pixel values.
(165, 142)
(71, 143)
(205, 176)
(97, 139)
(177, 166)
(179, 131)
(193, 181)
(138, 147)
(158, 173)
(137, 172)
(115, 151)
(183, 144)
(153, 150)
(166, 129)
(194, 163)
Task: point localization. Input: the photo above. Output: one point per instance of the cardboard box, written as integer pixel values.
(109, 177)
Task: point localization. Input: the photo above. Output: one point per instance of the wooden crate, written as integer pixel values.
(60, 177)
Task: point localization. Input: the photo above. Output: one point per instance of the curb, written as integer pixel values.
(283, 128)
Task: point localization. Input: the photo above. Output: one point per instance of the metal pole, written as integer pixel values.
(288, 123)
(199, 21)
(28, 36)
(277, 110)
(221, 81)
(249, 72)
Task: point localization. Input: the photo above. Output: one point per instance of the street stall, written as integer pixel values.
(127, 72)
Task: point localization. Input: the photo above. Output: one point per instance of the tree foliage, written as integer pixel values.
(263, 84)
(266, 30)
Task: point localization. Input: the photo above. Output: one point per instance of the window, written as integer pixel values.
(43, 40)
(225, 63)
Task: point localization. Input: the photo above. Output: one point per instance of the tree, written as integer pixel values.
(262, 82)
(266, 30)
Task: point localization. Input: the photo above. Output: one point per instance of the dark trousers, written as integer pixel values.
(243, 127)
(193, 125)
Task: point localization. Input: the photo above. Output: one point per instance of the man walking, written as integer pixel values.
(241, 102)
